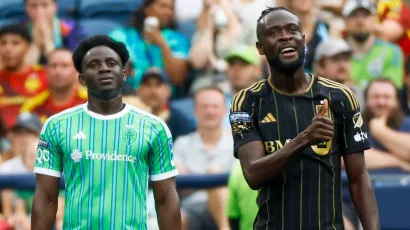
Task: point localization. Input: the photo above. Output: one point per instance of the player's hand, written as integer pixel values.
(321, 129)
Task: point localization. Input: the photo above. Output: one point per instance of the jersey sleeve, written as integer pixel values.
(49, 156)
(161, 160)
(354, 137)
(243, 120)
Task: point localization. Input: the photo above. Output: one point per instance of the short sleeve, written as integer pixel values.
(243, 120)
(161, 160)
(354, 137)
(232, 207)
(49, 156)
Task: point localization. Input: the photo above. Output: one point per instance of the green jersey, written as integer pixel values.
(241, 199)
(384, 59)
(106, 162)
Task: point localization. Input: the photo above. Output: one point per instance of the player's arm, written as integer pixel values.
(361, 191)
(48, 168)
(353, 142)
(163, 171)
(45, 202)
(167, 204)
(257, 167)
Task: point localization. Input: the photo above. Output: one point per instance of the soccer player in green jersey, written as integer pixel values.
(106, 150)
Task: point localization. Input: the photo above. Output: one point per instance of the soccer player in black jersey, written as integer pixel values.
(290, 133)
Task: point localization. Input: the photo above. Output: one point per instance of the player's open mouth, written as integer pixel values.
(288, 51)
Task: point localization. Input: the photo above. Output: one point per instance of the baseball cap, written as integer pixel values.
(331, 47)
(28, 121)
(154, 72)
(245, 53)
(352, 5)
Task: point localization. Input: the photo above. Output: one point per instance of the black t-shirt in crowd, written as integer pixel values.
(307, 194)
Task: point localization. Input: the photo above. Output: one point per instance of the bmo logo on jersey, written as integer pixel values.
(77, 156)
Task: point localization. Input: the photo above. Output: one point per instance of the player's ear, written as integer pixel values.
(124, 75)
(81, 79)
(260, 48)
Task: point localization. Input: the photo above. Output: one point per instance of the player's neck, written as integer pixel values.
(210, 137)
(294, 84)
(105, 107)
(62, 96)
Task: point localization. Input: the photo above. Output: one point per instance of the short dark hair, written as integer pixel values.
(99, 40)
(16, 29)
(139, 16)
(267, 11)
(62, 49)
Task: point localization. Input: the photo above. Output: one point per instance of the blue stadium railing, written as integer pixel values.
(392, 193)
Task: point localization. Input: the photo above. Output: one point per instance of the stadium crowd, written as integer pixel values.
(188, 59)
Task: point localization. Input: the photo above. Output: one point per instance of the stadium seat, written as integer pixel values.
(118, 10)
(7, 22)
(12, 10)
(393, 201)
(67, 8)
(187, 28)
(95, 26)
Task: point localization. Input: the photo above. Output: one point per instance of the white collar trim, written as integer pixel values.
(124, 111)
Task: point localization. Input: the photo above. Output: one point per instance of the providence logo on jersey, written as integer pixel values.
(77, 156)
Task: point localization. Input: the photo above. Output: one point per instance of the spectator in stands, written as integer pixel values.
(372, 57)
(244, 69)
(19, 202)
(218, 30)
(205, 151)
(394, 26)
(389, 128)
(249, 11)
(405, 93)
(64, 89)
(48, 30)
(18, 80)
(155, 93)
(241, 206)
(25, 131)
(314, 29)
(153, 41)
(332, 61)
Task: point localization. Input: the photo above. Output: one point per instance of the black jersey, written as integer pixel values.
(307, 194)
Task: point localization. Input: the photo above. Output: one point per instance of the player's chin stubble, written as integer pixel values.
(287, 68)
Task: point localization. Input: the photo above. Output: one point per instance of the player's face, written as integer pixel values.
(360, 24)
(41, 10)
(12, 50)
(336, 68)
(154, 93)
(282, 41)
(163, 10)
(382, 99)
(102, 71)
(61, 71)
(210, 108)
(241, 74)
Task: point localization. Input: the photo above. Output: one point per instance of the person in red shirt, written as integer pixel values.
(394, 16)
(18, 80)
(64, 89)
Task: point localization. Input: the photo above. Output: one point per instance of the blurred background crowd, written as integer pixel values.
(188, 59)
